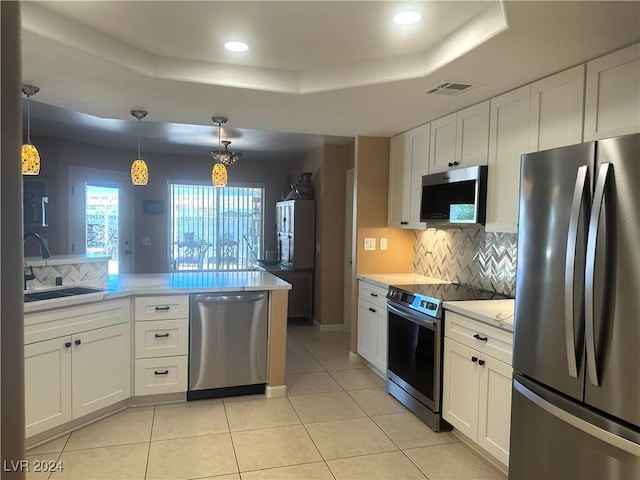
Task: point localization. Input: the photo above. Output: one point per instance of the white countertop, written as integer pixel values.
(124, 285)
(64, 260)
(386, 279)
(498, 313)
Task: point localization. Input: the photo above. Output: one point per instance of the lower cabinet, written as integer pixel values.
(477, 390)
(372, 325)
(71, 376)
(300, 303)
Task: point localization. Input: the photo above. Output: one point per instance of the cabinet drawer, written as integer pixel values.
(162, 307)
(161, 375)
(479, 336)
(162, 338)
(373, 294)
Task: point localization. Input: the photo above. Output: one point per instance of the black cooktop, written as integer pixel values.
(427, 298)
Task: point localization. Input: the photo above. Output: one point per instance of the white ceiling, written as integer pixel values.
(316, 72)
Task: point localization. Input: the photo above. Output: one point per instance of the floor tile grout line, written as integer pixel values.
(146, 467)
(233, 445)
(310, 437)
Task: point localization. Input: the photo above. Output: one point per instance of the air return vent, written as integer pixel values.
(451, 88)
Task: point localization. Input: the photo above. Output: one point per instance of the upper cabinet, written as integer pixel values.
(461, 139)
(408, 162)
(508, 139)
(556, 110)
(613, 95)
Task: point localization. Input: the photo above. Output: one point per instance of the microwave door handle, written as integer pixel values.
(569, 269)
(592, 243)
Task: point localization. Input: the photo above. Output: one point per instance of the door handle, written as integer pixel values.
(67, 345)
(373, 294)
(569, 268)
(163, 372)
(592, 243)
(474, 359)
(480, 362)
(373, 310)
(478, 337)
(161, 335)
(162, 309)
(78, 342)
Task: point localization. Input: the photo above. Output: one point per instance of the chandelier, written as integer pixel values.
(29, 153)
(139, 169)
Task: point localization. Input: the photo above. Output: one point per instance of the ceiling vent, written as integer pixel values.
(451, 88)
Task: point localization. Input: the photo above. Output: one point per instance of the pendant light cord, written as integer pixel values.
(138, 138)
(29, 119)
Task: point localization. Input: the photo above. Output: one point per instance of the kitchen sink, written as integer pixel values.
(61, 293)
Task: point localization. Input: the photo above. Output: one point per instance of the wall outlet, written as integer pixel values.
(383, 243)
(146, 241)
(369, 243)
(318, 247)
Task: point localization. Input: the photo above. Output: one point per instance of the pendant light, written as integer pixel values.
(219, 171)
(29, 153)
(139, 170)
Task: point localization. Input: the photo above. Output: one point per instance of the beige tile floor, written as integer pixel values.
(337, 422)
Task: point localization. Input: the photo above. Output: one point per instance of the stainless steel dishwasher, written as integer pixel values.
(227, 344)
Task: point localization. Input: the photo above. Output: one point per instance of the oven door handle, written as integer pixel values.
(419, 320)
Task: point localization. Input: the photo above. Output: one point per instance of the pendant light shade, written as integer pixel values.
(219, 175)
(29, 153)
(139, 169)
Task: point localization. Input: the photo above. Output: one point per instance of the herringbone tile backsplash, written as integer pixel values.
(469, 256)
(81, 273)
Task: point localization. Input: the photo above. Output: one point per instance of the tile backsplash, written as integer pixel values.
(94, 273)
(469, 256)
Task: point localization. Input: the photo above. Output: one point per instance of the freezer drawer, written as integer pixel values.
(228, 340)
(553, 437)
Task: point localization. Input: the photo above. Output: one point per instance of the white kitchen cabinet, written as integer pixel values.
(47, 384)
(83, 368)
(408, 162)
(372, 325)
(461, 139)
(557, 103)
(476, 384)
(612, 104)
(161, 344)
(508, 140)
(101, 370)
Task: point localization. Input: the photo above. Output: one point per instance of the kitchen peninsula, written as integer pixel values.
(97, 353)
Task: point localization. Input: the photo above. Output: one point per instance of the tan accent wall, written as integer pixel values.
(277, 337)
(398, 258)
(329, 164)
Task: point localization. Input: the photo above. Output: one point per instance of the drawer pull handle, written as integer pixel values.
(163, 372)
(162, 309)
(474, 359)
(78, 342)
(478, 337)
(67, 345)
(480, 362)
(372, 310)
(373, 294)
(162, 335)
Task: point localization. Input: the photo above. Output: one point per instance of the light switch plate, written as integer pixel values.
(383, 243)
(369, 243)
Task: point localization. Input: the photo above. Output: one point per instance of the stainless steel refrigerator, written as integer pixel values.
(576, 391)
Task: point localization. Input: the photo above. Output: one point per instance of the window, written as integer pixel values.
(214, 228)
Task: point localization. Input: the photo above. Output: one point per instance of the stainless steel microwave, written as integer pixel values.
(456, 197)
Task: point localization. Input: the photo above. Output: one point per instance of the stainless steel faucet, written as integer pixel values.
(44, 251)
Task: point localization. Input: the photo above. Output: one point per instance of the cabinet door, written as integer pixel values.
(612, 95)
(556, 109)
(418, 143)
(47, 368)
(398, 204)
(301, 293)
(461, 386)
(367, 331)
(472, 135)
(101, 368)
(508, 140)
(494, 416)
(381, 348)
(443, 143)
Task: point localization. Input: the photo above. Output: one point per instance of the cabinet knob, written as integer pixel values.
(78, 342)
(450, 164)
(67, 345)
(474, 359)
(373, 310)
(480, 362)
(478, 337)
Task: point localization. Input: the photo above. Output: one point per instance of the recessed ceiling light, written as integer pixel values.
(407, 18)
(236, 46)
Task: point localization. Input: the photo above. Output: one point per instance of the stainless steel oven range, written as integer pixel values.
(415, 343)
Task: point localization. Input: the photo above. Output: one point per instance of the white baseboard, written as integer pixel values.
(275, 392)
(353, 356)
(330, 327)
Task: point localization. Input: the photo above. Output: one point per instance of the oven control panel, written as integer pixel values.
(414, 301)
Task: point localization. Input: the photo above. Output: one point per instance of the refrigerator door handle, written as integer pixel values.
(589, 428)
(569, 269)
(592, 242)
